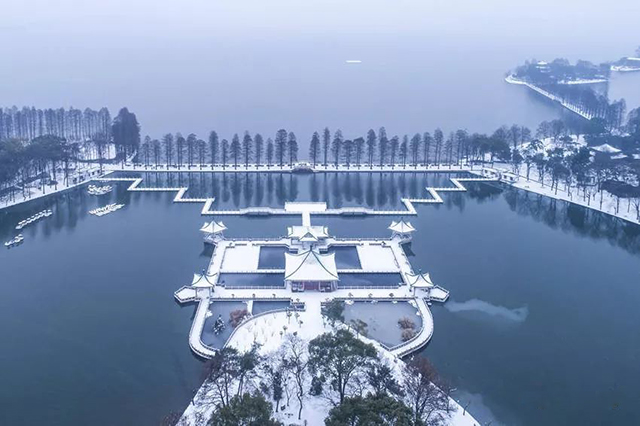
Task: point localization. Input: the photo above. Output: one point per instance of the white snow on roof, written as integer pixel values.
(401, 226)
(618, 157)
(203, 281)
(419, 280)
(606, 148)
(307, 233)
(213, 227)
(310, 266)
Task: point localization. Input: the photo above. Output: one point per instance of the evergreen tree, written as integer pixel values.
(414, 147)
(394, 143)
(326, 142)
(371, 146)
(191, 148)
(167, 141)
(245, 410)
(234, 149)
(336, 147)
(281, 146)
(213, 147)
(224, 153)
(438, 138)
(292, 146)
(404, 149)
(383, 145)
(314, 148)
(259, 148)
(270, 152)
(347, 151)
(358, 146)
(426, 145)
(125, 130)
(179, 149)
(247, 148)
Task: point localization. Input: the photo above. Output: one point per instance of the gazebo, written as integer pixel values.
(402, 228)
(307, 235)
(203, 281)
(213, 231)
(311, 270)
(420, 280)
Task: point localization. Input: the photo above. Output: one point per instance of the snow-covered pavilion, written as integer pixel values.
(402, 228)
(307, 235)
(203, 281)
(213, 231)
(311, 270)
(419, 280)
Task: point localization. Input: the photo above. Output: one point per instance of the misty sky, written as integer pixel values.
(190, 65)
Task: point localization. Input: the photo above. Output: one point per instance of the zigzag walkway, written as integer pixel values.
(207, 209)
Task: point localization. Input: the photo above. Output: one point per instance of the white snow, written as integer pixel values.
(241, 257)
(377, 257)
(606, 148)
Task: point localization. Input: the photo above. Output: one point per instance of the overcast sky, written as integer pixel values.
(262, 64)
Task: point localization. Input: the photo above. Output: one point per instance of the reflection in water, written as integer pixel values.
(517, 314)
(573, 218)
(239, 190)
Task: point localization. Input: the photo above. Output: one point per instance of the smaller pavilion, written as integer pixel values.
(419, 281)
(203, 281)
(307, 236)
(213, 231)
(402, 228)
(311, 270)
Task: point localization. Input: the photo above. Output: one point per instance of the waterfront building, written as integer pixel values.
(311, 270)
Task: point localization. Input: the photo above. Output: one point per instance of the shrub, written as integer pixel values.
(406, 323)
(407, 334)
(236, 317)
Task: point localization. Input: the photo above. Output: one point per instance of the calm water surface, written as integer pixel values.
(544, 300)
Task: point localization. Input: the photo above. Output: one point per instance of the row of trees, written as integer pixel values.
(186, 152)
(45, 157)
(362, 388)
(330, 149)
(72, 124)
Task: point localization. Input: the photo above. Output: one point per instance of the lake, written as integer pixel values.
(262, 66)
(540, 328)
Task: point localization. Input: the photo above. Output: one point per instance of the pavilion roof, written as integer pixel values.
(213, 227)
(401, 226)
(307, 233)
(420, 280)
(310, 266)
(203, 280)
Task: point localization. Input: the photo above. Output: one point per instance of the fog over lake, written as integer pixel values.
(253, 65)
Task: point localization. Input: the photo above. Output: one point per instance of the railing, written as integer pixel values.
(367, 287)
(253, 287)
(420, 339)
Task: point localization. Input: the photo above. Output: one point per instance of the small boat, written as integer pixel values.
(34, 218)
(14, 241)
(99, 190)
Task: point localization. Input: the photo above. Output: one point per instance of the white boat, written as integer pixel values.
(99, 190)
(109, 208)
(14, 241)
(34, 218)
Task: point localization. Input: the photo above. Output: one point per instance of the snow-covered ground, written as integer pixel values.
(271, 331)
(376, 257)
(621, 208)
(82, 174)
